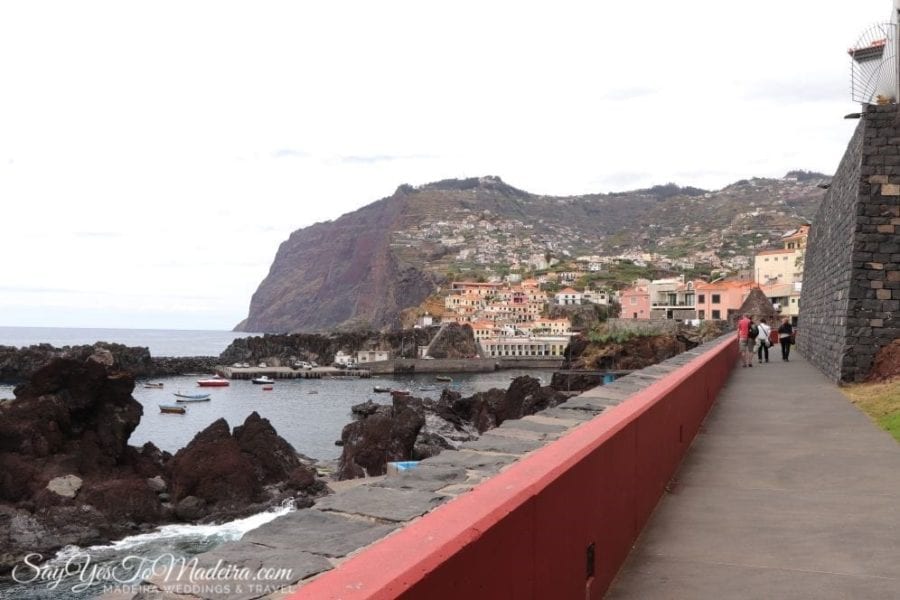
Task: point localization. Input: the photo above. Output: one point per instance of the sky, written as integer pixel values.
(154, 155)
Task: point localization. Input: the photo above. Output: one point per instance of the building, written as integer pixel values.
(341, 358)
(364, 356)
(568, 296)
(719, 300)
(635, 301)
(525, 347)
(785, 264)
(672, 299)
(425, 320)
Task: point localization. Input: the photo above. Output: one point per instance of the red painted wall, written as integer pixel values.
(524, 533)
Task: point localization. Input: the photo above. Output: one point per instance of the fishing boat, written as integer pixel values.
(153, 386)
(214, 381)
(443, 378)
(191, 397)
(263, 379)
(381, 389)
(173, 409)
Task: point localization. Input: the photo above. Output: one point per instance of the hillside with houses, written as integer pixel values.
(373, 267)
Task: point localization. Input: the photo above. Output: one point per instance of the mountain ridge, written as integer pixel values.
(363, 268)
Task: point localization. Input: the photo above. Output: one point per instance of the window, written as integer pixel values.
(784, 258)
(633, 300)
(635, 316)
(716, 314)
(766, 259)
(701, 298)
(716, 299)
(701, 314)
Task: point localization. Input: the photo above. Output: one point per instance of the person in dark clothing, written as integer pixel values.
(785, 333)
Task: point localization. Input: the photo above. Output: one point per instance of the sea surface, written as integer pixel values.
(308, 413)
(161, 342)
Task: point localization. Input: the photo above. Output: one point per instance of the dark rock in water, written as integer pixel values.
(364, 409)
(68, 476)
(20, 364)
(191, 508)
(238, 473)
(213, 468)
(385, 435)
(273, 458)
(575, 381)
(413, 429)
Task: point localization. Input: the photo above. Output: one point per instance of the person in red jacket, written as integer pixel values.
(745, 344)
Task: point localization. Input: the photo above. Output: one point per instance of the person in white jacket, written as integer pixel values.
(762, 341)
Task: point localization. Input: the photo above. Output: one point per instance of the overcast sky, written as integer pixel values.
(154, 155)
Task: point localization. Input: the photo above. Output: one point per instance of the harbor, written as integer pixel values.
(289, 373)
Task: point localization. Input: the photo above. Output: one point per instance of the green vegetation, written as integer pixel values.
(881, 401)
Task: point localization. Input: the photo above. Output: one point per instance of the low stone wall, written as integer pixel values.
(437, 365)
(646, 326)
(557, 523)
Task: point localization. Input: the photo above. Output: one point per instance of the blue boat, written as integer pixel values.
(191, 397)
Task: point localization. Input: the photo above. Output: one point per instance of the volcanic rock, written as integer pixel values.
(414, 429)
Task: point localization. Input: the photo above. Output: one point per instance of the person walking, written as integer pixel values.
(745, 341)
(785, 335)
(762, 341)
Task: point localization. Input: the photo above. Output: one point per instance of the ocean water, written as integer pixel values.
(77, 573)
(161, 342)
(308, 413)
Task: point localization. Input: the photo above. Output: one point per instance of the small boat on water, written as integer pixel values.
(264, 379)
(191, 397)
(154, 386)
(443, 378)
(268, 388)
(381, 389)
(214, 381)
(312, 392)
(399, 393)
(428, 388)
(173, 409)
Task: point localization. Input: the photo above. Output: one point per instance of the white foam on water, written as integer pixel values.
(223, 532)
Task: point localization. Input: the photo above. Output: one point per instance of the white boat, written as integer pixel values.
(264, 379)
(181, 397)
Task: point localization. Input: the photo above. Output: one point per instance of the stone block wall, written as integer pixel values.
(851, 284)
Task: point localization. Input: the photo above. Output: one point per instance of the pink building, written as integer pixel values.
(721, 299)
(635, 302)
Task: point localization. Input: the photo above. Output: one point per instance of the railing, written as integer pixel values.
(558, 523)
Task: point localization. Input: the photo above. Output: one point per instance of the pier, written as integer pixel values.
(289, 373)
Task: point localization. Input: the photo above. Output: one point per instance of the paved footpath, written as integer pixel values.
(789, 491)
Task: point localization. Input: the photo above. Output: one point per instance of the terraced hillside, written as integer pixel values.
(365, 267)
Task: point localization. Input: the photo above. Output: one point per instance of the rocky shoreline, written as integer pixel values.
(68, 475)
(20, 364)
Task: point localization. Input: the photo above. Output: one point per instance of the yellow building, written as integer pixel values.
(783, 265)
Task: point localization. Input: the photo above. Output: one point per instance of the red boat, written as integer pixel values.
(215, 381)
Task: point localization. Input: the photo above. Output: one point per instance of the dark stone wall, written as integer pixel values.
(851, 281)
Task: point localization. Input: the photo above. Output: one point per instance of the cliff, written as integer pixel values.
(362, 269)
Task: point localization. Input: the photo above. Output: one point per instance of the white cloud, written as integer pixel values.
(152, 151)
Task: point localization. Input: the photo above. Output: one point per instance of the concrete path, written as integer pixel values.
(789, 491)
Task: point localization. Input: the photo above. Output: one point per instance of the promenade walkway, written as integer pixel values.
(788, 492)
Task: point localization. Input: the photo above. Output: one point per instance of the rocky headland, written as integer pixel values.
(68, 475)
(413, 428)
(20, 364)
